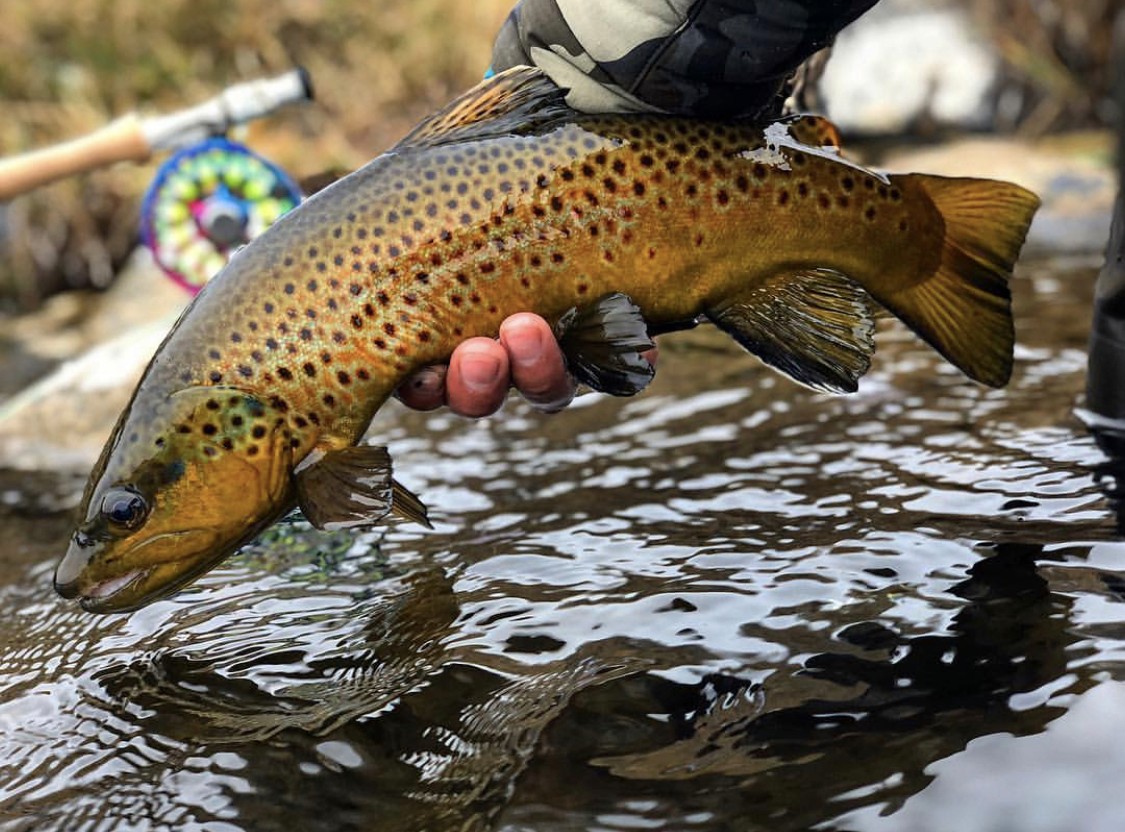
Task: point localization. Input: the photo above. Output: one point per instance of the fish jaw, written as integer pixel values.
(154, 568)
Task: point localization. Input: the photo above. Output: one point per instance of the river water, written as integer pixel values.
(726, 604)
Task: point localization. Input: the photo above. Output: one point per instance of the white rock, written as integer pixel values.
(900, 64)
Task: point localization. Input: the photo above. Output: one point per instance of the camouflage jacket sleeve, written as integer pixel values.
(709, 58)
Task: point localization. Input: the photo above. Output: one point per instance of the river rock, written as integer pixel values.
(906, 63)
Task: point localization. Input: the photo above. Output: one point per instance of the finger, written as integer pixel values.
(478, 378)
(537, 364)
(424, 389)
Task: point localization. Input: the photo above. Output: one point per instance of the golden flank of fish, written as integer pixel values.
(616, 227)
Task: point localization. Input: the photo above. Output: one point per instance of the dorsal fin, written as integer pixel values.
(518, 101)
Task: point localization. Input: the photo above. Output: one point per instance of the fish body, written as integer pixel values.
(507, 201)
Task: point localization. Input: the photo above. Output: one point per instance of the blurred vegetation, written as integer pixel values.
(70, 66)
(1057, 61)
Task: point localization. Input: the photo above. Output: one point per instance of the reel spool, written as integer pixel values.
(206, 202)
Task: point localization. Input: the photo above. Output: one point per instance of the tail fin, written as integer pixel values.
(963, 310)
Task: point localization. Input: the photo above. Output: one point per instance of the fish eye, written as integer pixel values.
(124, 507)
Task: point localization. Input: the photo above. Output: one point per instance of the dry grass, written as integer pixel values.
(70, 66)
(1057, 58)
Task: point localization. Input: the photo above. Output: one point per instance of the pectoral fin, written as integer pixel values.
(603, 344)
(349, 487)
(815, 327)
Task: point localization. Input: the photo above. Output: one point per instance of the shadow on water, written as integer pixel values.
(726, 604)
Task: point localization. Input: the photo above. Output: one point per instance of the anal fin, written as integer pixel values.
(816, 327)
(352, 486)
(604, 344)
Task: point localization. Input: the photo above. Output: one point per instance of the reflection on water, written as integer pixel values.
(726, 604)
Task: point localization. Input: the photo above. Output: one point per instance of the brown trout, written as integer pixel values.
(508, 201)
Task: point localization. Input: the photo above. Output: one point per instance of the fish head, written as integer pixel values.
(179, 487)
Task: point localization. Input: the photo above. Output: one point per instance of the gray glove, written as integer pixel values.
(703, 58)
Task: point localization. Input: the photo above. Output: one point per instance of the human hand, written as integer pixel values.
(480, 371)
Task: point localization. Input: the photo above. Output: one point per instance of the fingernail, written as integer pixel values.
(480, 372)
(428, 380)
(526, 346)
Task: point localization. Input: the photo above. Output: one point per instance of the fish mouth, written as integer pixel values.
(99, 590)
(100, 597)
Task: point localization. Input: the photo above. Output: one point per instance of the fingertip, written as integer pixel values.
(425, 389)
(537, 364)
(478, 378)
